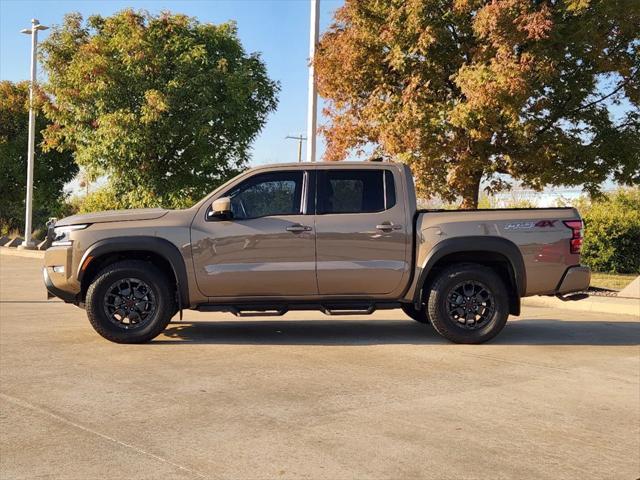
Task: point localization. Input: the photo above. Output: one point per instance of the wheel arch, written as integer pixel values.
(162, 253)
(498, 253)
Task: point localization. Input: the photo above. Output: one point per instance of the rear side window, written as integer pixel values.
(355, 191)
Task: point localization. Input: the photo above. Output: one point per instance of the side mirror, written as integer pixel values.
(221, 208)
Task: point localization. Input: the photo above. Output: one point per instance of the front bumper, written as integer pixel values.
(58, 274)
(575, 279)
(53, 291)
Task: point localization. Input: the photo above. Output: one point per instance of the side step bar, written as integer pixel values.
(270, 312)
(365, 310)
(269, 309)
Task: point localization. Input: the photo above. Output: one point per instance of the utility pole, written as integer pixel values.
(300, 139)
(33, 31)
(312, 106)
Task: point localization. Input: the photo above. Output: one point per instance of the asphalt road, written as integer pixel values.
(556, 395)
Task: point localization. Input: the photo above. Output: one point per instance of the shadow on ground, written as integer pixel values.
(382, 332)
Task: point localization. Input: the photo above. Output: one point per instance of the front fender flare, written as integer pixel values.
(143, 243)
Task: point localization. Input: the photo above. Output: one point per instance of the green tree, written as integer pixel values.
(612, 232)
(165, 106)
(51, 169)
(466, 91)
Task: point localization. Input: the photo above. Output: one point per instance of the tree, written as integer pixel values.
(163, 105)
(612, 230)
(545, 92)
(51, 169)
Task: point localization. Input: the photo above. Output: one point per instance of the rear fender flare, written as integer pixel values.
(491, 244)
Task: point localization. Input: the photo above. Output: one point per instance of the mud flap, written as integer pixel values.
(179, 298)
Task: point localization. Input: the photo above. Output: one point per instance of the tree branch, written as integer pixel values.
(583, 107)
(609, 95)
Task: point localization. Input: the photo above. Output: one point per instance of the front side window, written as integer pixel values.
(355, 191)
(267, 194)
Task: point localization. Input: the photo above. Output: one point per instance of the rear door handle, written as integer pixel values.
(388, 227)
(297, 228)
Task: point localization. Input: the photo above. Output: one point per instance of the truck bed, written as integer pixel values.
(540, 235)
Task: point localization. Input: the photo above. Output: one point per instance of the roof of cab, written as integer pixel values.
(341, 164)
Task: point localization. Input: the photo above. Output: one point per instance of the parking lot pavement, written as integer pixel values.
(556, 395)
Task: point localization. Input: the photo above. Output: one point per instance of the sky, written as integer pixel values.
(279, 30)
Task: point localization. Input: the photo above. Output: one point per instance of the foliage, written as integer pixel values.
(471, 90)
(51, 169)
(612, 233)
(165, 106)
(108, 197)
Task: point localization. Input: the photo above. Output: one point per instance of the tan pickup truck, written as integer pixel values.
(343, 238)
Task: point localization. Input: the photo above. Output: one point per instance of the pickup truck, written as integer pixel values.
(343, 238)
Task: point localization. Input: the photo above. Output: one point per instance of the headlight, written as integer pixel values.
(61, 234)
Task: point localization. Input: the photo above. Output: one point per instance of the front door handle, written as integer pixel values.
(388, 227)
(297, 228)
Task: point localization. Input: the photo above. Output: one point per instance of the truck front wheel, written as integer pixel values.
(130, 302)
(468, 303)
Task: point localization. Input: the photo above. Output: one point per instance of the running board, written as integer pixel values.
(366, 310)
(269, 309)
(258, 312)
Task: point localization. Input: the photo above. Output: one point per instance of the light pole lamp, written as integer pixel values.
(33, 31)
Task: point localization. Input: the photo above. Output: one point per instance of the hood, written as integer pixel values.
(113, 216)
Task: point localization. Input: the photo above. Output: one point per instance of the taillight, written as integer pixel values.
(576, 235)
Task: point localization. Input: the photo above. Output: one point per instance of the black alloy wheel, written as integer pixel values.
(129, 303)
(471, 304)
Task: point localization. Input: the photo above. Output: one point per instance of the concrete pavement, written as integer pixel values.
(556, 395)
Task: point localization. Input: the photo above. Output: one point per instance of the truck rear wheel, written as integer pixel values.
(468, 303)
(130, 302)
(417, 315)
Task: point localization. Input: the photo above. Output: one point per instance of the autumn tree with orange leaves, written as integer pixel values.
(472, 93)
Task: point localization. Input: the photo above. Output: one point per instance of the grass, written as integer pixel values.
(612, 281)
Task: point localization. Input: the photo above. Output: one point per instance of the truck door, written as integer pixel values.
(266, 249)
(362, 236)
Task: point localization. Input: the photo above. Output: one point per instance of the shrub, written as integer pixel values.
(110, 198)
(612, 232)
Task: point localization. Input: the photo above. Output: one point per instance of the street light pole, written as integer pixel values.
(33, 31)
(312, 105)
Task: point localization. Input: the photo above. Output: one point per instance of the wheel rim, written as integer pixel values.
(470, 305)
(129, 303)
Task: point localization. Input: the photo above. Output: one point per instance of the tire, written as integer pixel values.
(469, 284)
(148, 298)
(417, 315)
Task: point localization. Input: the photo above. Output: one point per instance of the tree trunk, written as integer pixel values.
(471, 191)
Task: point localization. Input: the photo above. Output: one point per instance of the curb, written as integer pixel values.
(622, 306)
(14, 252)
